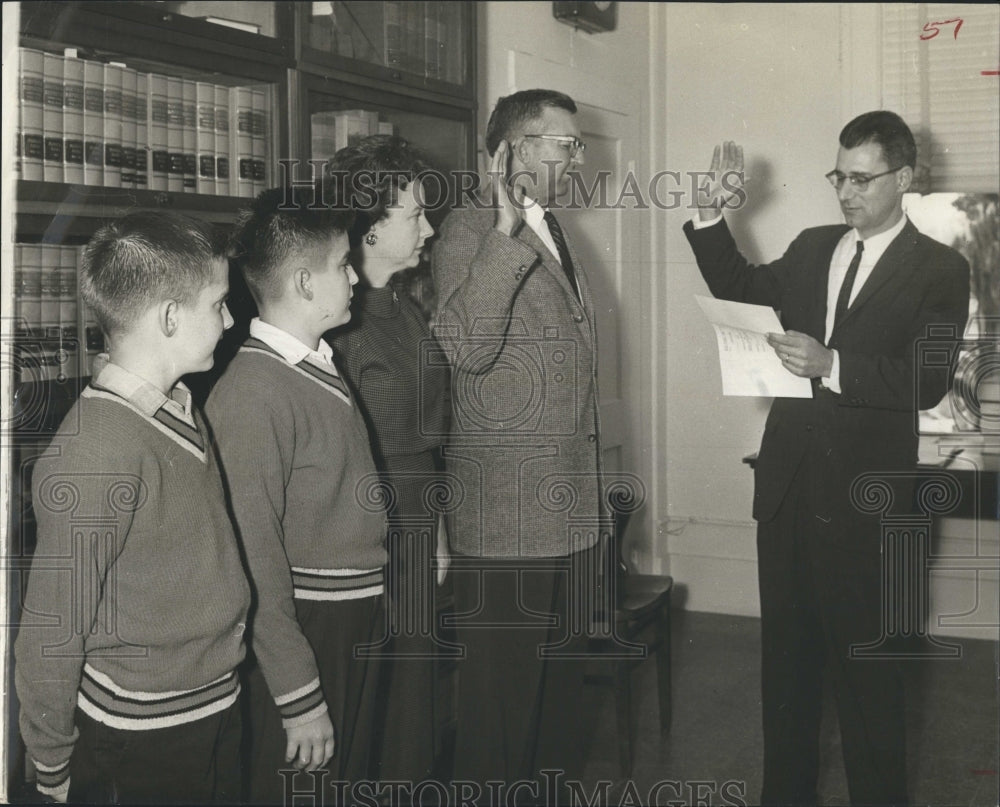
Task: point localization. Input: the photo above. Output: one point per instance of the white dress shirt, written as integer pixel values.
(289, 347)
(875, 247)
(534, 217)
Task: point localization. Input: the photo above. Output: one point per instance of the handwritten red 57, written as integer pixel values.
(934, 28)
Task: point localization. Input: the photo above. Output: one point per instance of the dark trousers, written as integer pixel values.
(820, 593)
(519, 712)
(337, 632)
(404, 743)
(194, 763)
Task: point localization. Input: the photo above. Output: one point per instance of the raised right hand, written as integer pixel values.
(508, 200)
(727, 161)
(310, 745)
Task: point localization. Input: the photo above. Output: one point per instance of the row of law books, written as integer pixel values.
(53, 330)
(423, 38)
(86, 122)
(332, 131)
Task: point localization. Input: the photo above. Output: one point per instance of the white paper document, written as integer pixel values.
(749, 364)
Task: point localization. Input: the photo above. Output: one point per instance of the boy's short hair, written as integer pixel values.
(142, 259)
(280, 223)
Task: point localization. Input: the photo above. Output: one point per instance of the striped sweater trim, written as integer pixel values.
(331, 382)
(177, 430)
(337, 584)
(52, 780)
(301, 705)
(120, 708)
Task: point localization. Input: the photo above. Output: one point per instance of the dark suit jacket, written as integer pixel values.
(871, 425)
(525, 437)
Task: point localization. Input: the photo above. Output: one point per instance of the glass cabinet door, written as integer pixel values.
(423, 43)
(251, 16)
(336, 122)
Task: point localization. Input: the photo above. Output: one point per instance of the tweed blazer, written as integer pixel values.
(525, 443)
(872, 424)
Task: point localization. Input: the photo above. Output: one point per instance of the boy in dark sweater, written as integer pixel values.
(137, 601)
(296, 458)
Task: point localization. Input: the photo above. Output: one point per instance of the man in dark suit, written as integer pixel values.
(516, 319)
(854, 300)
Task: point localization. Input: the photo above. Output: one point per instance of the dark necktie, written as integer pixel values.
(567, 262)
(845, 288)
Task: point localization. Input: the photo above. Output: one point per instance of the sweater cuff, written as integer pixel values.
(302, 705)
(52, 780)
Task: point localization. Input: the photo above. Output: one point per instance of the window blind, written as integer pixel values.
(939, 67)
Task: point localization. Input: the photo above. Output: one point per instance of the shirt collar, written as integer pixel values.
(137, 391)
(534, 213)
(877, 244)
(290, 348)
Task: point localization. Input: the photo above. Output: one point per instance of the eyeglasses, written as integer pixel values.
(858, 181)
(574, 144)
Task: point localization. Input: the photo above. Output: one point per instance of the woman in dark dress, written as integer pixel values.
(384, 353)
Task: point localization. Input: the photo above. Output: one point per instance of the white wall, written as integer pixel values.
(768, 78)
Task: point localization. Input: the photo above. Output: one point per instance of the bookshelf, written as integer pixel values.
(190, 106)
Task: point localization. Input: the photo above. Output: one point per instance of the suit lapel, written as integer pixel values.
(549, 261)
(889, 267)
(551, 265)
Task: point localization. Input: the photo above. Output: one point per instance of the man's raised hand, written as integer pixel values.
(507, 198)
(714, 193)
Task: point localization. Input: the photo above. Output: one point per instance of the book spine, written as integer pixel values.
(413, 38)
(393, 30)
(20, 326)
(32, 114)
(69, 319)
(261, 123)
(142, 149)
(52, 116)
(130, 79)
(431, 50)
(158, 141)
(175, 133)
(113, 158)
(323, 132)
(93, 123)
(31, 360)
(241, 145)
(222, 141)
(51, 334)
(69, 313)
(31, 301)
(205, 123)
(190, 135)
(73, 70)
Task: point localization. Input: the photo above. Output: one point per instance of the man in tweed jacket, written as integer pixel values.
(516, 319)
